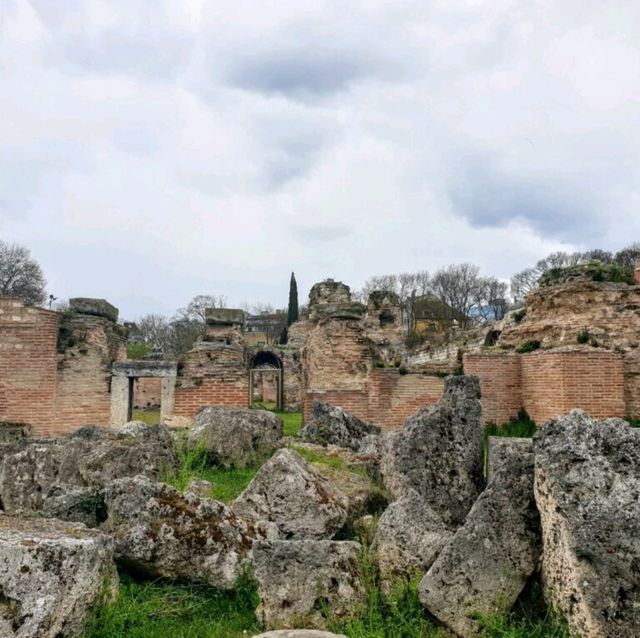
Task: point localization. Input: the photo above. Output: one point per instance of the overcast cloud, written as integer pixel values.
(153, 150)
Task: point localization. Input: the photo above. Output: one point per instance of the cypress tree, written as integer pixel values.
(292, 312)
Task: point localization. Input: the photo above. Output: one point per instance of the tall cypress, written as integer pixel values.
(292, 312)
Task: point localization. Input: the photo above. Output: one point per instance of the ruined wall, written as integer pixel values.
(213, 373)
(28, 365)
(555, 315)
(550, 383)
(91, 345)
(632, 384)
(388, 399)
(147, 392)
(500, 377)
(384, 327)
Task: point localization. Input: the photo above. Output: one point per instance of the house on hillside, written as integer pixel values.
(432, 315)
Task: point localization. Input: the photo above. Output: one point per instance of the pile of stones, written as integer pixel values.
(563, 507)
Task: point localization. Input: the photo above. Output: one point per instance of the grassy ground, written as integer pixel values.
(152, 417)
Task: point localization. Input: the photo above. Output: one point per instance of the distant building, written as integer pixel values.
(431, 314)
(265, 328)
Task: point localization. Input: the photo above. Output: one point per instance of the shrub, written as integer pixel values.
(529, 346)
(521, 425)
(138, 350)
(519, 315)
(583, 336)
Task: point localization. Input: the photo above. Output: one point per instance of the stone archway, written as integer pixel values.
(266, 379)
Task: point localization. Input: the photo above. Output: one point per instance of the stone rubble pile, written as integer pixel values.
(563, 507)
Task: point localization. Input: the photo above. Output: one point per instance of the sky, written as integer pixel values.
(153, 150)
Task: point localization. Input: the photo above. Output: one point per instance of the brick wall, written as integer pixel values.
(147, 392)
(550, 383)
(211, 392)
(632, 384)
(388, 400)
(500, 384)
(28, 365)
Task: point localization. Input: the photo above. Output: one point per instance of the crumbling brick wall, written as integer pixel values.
(550, 383)
(28, 365)
(147, 392)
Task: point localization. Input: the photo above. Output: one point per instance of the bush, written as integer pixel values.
(529, 346)
(521, 425)
(583, 336)
(138, 350)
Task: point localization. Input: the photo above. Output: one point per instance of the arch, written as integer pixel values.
(266, 365)
(265, 358)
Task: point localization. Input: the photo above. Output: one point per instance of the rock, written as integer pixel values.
(235, 437)
(199, 487)
(486, 565)
(162, 533)
(147, 432)
(94, 307)
(409, 538)
(298, 580)
(587, 488)
(298, 633)
(439, 452)
(51, 575)
(289, 492)
(365, 528)
(64, 478)
(500, 451)
(332, 424)
(11, 432)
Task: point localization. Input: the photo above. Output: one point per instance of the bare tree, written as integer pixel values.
(628, 256)
(155, 331)
(458, 286)
(196, 308)
(491, 298)
(20, 275)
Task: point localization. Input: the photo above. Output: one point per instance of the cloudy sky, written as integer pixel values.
(152, 150)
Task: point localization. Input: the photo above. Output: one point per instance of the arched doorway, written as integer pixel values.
(265, 380)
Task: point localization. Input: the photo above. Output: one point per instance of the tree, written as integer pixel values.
(197, 307)
(491, 298)
(459, 286)
(20, 275)
(627, 257)
(293, 312)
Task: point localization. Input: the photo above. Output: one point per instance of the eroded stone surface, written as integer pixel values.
(439, 452)
(330, 424)
(409, 538)
(587, 488)
(235, 437)
(64, 478)
(51, 575)
(297, 580)
(485, 566)
(163, 533)
(289, 492)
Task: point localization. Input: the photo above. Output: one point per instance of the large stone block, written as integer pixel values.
(163, 533)
(486, 565)
(330, 424)
(225, 317)
(94, 307)
(439, 452)
(51, 575)
(587, 488)
(235, 437)
(289, 492)
(299, 580)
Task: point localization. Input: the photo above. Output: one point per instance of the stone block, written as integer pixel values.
(94, 307)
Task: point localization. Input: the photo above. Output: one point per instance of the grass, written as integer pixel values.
(151, 417)
(292, 422)
(171, 610)
(521, 425)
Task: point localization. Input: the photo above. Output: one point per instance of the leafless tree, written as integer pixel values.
(196, 308)
(628, 256)
(458, 286)
(491, 300)
(20, 275)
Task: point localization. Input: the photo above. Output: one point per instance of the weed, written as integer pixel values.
(529, 346)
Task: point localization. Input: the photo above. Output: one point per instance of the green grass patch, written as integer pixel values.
(150, 417)
(634, 423)
(521, 425)
(292, 422)
(170, 610)
(529, 346)
(228, 483)
(315, 456)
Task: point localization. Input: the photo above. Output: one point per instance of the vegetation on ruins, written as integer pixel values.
(20, 275)
(529, 346)
(521, 425)
(619, 265)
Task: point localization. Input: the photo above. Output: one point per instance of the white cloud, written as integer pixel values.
(151, 151)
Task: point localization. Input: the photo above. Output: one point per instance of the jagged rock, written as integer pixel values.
(289, 492)
(489, 560)
(365, 528)
(199, 487)
(439, 452)
(500, 451)
(51, 574)
(94, 307)
(332, 424)
(64, 478)
(162, 533)
(298, 633)
(409, 538)
(587, 488)
(235, 437)
(297, 580)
